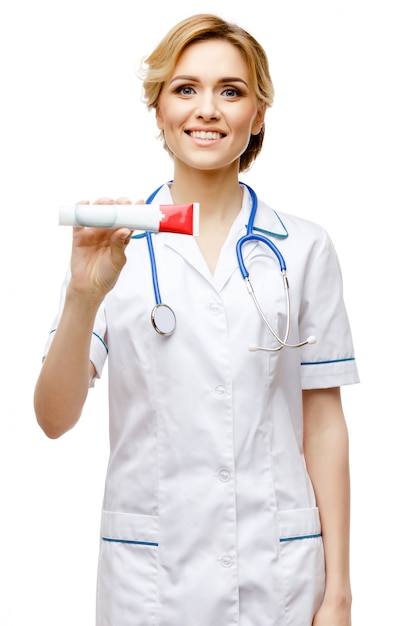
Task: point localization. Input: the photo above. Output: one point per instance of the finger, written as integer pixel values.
(84, 202)
(120, 235)
(123, 200)
(104, 201)
(140, 202)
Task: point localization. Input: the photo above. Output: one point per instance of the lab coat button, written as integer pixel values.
(214, 308)
(226, 560)
(224, 475)
(220, 391)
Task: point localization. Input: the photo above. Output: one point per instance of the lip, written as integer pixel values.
(205, 129)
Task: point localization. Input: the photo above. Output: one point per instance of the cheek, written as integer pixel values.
(169, 118)
(246, 121)
(245, 128)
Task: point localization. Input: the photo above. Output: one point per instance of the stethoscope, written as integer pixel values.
(163, 317)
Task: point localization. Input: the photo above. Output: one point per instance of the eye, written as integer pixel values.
(231, 92)
(185, 90)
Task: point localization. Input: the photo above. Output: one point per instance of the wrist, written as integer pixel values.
(87, 301)
(340, 598)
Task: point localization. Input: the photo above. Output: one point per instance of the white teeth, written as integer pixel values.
(202, 134)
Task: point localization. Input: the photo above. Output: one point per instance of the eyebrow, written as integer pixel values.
(195, 79)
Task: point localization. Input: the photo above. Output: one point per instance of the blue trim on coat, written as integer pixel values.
(102, 341)
(95, 335)
(282, 539)
(137, 543)
(326, 362)
(272, 233)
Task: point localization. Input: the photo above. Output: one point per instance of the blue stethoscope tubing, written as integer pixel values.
(251, 236)
(163, 317)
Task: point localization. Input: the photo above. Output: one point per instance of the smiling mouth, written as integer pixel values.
(208, 135)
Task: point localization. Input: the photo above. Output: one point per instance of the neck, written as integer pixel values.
(218, 192)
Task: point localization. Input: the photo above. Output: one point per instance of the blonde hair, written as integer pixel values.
(160, 64)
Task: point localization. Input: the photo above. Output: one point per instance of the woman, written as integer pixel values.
(227, 491)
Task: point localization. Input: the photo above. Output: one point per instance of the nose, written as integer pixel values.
(207, 107)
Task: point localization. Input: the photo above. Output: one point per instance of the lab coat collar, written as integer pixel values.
(267, 220)
(267, 223)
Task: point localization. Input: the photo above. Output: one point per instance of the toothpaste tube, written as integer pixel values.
(168, 218)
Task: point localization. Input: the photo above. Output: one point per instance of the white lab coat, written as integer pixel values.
(209, 516)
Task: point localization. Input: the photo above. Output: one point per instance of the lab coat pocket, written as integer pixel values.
(301, 564)
(128, 570)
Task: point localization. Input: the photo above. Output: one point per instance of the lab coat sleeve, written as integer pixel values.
(330, 362)
(98, 348)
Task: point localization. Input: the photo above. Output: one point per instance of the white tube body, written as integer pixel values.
(136, 217)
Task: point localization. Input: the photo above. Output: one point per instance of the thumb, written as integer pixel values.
(125, 234)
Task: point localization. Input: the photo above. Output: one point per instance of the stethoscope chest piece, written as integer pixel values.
(163, 319)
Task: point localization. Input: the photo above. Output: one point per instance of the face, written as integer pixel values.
(208, 109)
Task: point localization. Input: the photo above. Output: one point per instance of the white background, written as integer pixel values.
(341, 149)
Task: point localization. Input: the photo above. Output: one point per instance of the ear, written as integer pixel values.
(259, 120)
(159, 118)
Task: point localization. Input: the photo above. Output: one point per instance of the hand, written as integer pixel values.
(98, 256)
